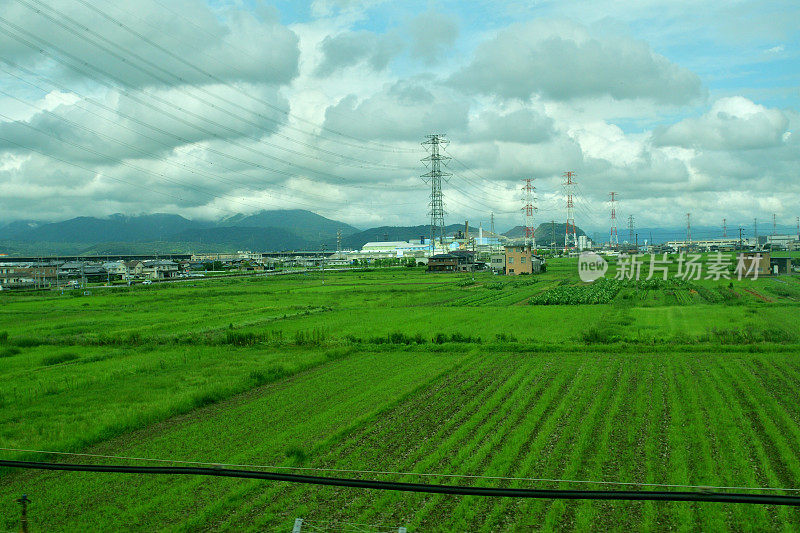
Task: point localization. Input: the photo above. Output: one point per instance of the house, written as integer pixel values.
(71, 269)
(497, 262)
(94, 273)
(442, 263)
(161, 269)
(763, 264)
(780, 265)
(116, 268)
(133, 269)
(466, 261)
(520, 260)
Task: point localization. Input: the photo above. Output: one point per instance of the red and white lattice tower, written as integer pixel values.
(614, 238)
(529, 210)
(569, 190)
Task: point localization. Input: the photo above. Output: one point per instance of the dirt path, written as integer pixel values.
(758, 295)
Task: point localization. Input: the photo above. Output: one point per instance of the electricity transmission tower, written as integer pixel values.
(434, 177)
(755, 230)
(569, 189)
(631, 229)
(529, 209)
(614, 238)
(688, 228)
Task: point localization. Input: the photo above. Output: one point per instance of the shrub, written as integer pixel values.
(268, 375)
(58, 358)
(10, 351)
(595, 335)
(506, 337)
(315, 337)
(209, 397)
(240, 338)
(27, 342)
(297, 454)
(441, 338)
(3, 337)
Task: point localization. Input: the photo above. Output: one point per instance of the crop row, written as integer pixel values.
(599, 292)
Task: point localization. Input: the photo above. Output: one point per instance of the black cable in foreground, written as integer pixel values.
(698, 496)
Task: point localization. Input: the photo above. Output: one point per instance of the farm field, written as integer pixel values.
(397, 370)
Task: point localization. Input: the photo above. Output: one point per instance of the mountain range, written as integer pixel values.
(275, 230)
(545, 234)
(290, 229)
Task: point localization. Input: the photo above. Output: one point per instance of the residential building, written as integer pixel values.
(162, 269)
(780, 265)
(442, 263)
(763, 266)
(134, 269)
(497, 262)
(520, 260)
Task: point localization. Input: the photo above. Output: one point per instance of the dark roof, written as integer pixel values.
(443, 256)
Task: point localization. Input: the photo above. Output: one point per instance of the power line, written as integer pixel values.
(460, 490)
(164, 102)
(137, 121)
(86, 30)
(401, 473)
(389, 148)
(135, 167)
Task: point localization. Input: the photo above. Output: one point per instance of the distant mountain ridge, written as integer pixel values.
(305, 224)
(90, 229)
(546, 234)
(274, 230)
(393, 233)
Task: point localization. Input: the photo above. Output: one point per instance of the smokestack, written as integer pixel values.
(466, 230)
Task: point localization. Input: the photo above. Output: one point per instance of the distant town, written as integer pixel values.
(460, 251)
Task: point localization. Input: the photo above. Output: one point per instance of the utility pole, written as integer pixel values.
(322, 264)
(529, 209)
(23, 523)
(492, 230)
(338, 241)
(553, 236)
(569, 187)
(740, 238)
(798, 228)
(773, 224)
(434, 177)
(614, 238)
(724, 228)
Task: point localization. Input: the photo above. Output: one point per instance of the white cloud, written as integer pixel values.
(431, 34)
(563, 61)
(733, 123)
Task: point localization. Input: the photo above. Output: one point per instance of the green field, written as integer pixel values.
(396, 370)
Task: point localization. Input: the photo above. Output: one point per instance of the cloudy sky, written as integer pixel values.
(209, 108)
